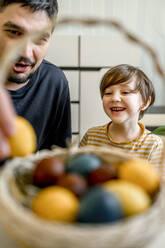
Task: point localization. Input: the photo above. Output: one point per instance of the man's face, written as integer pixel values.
(16, 21)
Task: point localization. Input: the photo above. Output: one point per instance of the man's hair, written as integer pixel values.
(49, 6)
(124, 73)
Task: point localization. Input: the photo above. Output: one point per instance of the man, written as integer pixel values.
(39, 89)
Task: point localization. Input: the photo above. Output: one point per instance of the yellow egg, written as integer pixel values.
(133, 198)
(56, 203)
(24, 140)
(140, 172)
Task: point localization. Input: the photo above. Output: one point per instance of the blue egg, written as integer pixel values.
(99, 206)
(83, 164)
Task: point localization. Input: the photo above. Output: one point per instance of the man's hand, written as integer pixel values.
(7, 117)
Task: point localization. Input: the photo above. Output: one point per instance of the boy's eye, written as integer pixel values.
(126, 92)
(108, 93)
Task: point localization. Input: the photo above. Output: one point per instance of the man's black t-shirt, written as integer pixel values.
(45, 102)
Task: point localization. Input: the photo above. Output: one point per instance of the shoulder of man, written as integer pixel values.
(53, 72)
(51, 67)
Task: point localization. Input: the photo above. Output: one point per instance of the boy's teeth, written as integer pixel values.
(117, 109)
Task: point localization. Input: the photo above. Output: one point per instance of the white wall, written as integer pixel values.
(75, 46)
(145, 18)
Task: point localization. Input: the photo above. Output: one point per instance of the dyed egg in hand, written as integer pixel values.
(99, 206)
(102, 174)
(47, 171)
(83, 164)
(74, 182)
(24, 141)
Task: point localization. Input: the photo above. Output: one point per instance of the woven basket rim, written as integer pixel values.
(36, 232)
(28, 216)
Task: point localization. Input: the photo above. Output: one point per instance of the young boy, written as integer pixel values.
(126, 94)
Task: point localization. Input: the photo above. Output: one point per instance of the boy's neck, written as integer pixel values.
(120, 133)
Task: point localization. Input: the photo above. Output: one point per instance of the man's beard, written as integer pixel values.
(17, 80)
(21, 80)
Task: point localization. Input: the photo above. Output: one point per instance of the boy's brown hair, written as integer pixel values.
(123, 73)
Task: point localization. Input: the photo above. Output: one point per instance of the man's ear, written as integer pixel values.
(145, 105)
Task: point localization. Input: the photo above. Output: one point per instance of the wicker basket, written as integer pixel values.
(32, 232)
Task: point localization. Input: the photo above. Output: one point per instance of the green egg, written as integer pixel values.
(83, 164)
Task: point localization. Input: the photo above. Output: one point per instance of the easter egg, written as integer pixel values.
(56, 203)
(47, 171)
(24, 141)
(134, 199)
(102, 174)
(99, 206)
(140, 172)
(74, 182)
(83, 164)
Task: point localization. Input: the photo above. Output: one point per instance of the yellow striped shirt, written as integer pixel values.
(148, 146)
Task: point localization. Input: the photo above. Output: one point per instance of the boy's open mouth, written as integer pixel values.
(117, 109)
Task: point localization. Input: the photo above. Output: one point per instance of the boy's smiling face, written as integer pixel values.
(16, 21)
(122, 103)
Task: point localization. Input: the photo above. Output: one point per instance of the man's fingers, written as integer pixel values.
(4, 147)
(7, 120)
(7, 114)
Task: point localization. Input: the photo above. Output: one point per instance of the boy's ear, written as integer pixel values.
(145, 105)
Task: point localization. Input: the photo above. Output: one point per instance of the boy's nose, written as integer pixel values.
(116, 96)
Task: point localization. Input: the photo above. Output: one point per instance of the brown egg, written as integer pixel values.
(74, 182)
(47, 171)
(102, 174)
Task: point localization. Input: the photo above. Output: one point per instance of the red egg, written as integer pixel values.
(74, 182)
(47, 171)
(102, 174)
